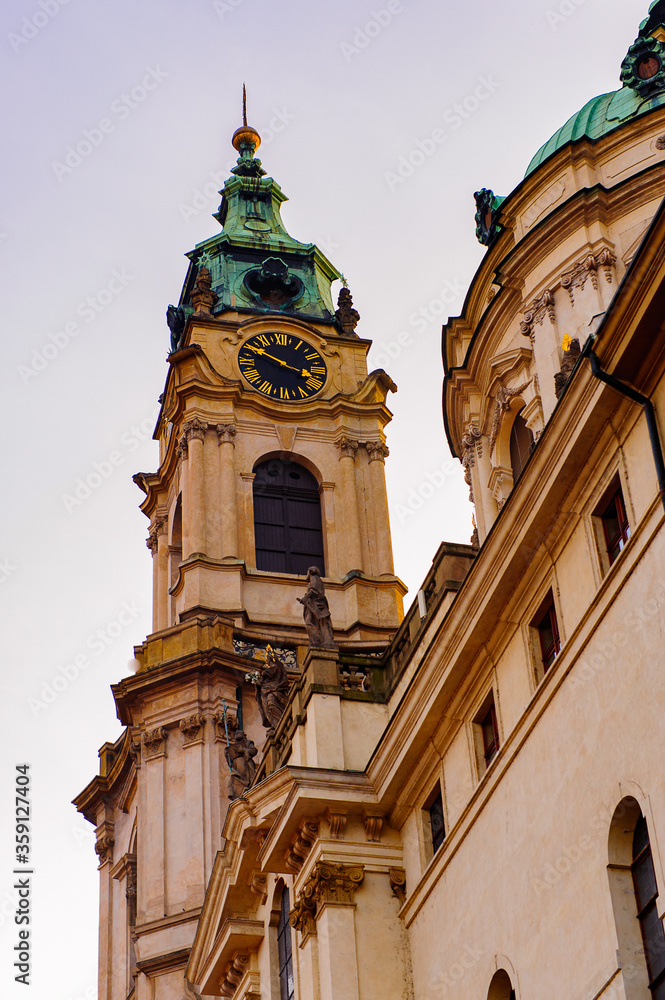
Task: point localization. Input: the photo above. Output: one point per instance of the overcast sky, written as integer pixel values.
(116, 125)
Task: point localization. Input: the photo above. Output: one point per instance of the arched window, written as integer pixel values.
(640, 932)
(646, 893)
(287, 518)
(521, 445)
(284, 949)
(501, 987)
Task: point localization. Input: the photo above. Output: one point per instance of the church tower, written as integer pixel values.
(271, 461)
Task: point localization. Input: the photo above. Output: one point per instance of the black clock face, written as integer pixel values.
(282, 366)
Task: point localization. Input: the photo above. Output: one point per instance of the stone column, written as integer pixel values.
(353, 549)
(152, 844)
(326, 907)
(193, 729)
(377, 452)
(158, 544)
(194, 432)
(248, 551)
(227, 475)
(182, 452)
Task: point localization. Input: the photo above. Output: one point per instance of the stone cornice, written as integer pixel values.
(581, 416)
(110, 785)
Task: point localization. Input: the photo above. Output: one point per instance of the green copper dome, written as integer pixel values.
(643, 78)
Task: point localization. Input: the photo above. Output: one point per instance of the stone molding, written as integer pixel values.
(573, 277)
(154, 741)
(192, 728)
(301, 845)
(258, 884)
(234, 973)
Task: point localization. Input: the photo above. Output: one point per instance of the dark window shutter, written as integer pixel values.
(287, 518)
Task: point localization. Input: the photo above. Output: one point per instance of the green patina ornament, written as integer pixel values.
(487, 215)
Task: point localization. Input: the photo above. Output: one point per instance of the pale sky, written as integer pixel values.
(116, 123)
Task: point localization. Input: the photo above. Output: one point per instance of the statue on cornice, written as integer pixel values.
(240, 754)
(272, 690)
(316, 612)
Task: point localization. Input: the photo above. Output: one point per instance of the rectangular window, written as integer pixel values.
(547, 627)
(284, 949)
(615, 524)
(490, 735)
(486, 734)
(437, 824)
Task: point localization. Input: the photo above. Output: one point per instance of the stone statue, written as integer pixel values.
(272, 691)
(175, 317)
(316, 612)
(240, 754)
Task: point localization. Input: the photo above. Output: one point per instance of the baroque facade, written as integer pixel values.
(466, 800)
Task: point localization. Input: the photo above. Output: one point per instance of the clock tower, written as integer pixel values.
(271, 436)
(271, 461)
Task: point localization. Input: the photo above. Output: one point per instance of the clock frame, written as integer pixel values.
(282, 366)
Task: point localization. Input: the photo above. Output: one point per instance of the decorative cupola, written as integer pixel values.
(558, 247)
(254, 265)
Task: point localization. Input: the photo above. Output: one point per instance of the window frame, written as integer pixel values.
(486, 751)
(613, 486)
(547, 614)
(285, 948)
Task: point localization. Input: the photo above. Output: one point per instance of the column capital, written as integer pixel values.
(226, 433)
(154, 741)
(347, 447)
(157, 529)
(377, 451)
(330, 883)
(194, 428)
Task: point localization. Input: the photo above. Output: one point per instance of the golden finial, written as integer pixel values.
(245, 138)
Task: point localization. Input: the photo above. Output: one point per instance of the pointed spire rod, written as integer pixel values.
(246, 139)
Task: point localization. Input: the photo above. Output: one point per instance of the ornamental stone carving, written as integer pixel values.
(576, 276)
(377, 451)
(233, 973)
(397, 878)
(373, 827)
(336, 823)
(226, 433)
(203, 297)
(331, 883)
(104, 848)
(192, 728)
(347, 447)
(258, 884)
(154, 741)
(345, 314)
(194, 428)
(158, 528)
(316, 612)
(301, 845)
(568, 363)
(502, 400)
(181, 448)
(240, 753)
(539, 308)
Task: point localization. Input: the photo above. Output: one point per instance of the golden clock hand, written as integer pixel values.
(262, 351)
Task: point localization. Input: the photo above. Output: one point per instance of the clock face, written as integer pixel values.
(282, 366)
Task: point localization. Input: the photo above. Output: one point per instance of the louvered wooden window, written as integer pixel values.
(287, 518)
(646, 893)
(436, 821)
(490, 731)
(615, 525)
(548, 632)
